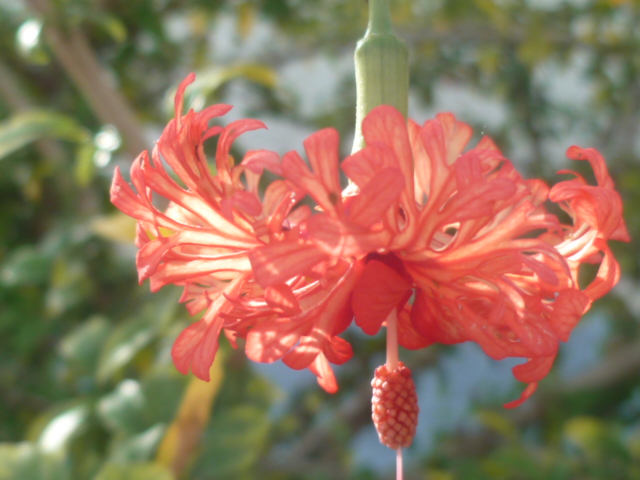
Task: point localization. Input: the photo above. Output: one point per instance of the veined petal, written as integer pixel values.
(297, 172)
(433, 322)
(210, 112)
(228, 135)
(607, 276)
(323, 152)
(601, 206)
(282, 299)
(365, 164)
(246, 202)
(443, 139)
(385, 124)
(183, 152)
(325, 315)
(340, 240)
(272, 339)
(160, 182)
(152, 253)
(533, 369)
(408, 336)
(530, 390)
(182, 270)
(196, 347)
(597, 207)
(198, 297)
(376, 198)
(379, 291)
(530, 372)
(456, 135)
(326, 378)
(478, 200)
(258, 160)
(275, 263)
(597, 163)
(568, 308)
(135, 205)
(178, 102)
(338, 351)
(422, 173)
(306, 352)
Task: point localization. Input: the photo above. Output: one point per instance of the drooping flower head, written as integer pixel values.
(454, 240)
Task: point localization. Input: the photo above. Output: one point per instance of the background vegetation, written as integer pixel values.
(87, 388)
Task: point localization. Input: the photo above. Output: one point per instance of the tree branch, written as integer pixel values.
(74, 53)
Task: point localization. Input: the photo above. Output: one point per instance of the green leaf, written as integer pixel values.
(123, 409)
(83, 345)
(209, 81)
(136, 471)
(113, 26)
(233, 442)
(123, 344)
(167, 384)
(213, 79)
(85, 167)
(25, 461)
(498, 422)
(26, 266)
(26, 127)
(62, 427)
(138, 448)
(585, 432)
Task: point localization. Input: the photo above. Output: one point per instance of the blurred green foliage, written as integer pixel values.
(87, 388)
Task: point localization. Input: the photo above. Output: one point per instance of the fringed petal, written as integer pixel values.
(272, 339)
(282, 299)
(568, 308)
(607, 276)
(326, 378)
(195, 348)
(376, 198)
(228, 135)
(298, 173)
(323, 152)
(530, 390)
(275, 263)
(386, 125)
(338, 351)
(408, 337)
(346, 241)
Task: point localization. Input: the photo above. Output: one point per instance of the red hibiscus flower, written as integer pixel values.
(455, 241)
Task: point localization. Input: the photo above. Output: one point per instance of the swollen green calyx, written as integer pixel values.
(382, 68)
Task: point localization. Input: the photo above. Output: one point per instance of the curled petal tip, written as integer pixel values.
(531, 388)
(575, 152)
(179, 98)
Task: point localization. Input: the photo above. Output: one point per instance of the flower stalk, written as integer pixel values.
(392, 364)
(382, 68)
(392, 340)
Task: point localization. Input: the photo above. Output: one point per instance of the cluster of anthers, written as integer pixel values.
(394, 406)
